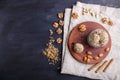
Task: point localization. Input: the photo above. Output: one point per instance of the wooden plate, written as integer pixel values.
(81, 37)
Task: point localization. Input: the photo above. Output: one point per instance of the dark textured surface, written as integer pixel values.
(24, 28)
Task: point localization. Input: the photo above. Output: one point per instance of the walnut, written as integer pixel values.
(104, 20)
(75, 15)
(60, 15)
(59, 31)
(58, 40)
(82, 28)
(55, 25)
(61, 22)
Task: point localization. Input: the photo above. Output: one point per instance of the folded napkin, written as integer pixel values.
(72, 66)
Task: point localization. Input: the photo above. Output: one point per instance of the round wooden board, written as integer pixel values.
(81, 37)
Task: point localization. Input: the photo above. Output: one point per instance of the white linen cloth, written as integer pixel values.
(72, 66)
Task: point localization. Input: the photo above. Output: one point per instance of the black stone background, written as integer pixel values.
(24, 26)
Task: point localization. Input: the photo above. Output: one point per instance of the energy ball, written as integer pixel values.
(98, 38)
(78, 47)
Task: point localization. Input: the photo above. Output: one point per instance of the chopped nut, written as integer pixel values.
(75, 15)
(60, 15)
(107, 49)
(88, 60)
(96, 57)
(84, 59)
(58, 40)
(61, 23)
(51, 32)
(51, 52)
(89, 56)
(59, 31)
(104, 20)
(82, 28)
(100, 55)
(55, 25)
(89, 52)
(110, 23)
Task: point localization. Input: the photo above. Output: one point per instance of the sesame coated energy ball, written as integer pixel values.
(98, 38)
(78, 47)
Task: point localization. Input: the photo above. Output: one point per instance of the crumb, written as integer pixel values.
(110, 23)
(61, 22)
(82, 28)
(104, 20)
(60, 15)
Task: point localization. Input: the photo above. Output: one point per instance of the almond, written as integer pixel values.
(89, 52)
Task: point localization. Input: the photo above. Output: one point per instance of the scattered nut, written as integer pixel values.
(110, 23)
(51, 32)
(55, 25)
(104, 20)
(89, 56)
(107, 49)
(60, 15)
(84, 59)
(82, 28)
(96, 57)
(61, 22)
(88, 60)
(75, 15)
(59, 31)
(100, 55)
(89, 52)
(58, 40)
